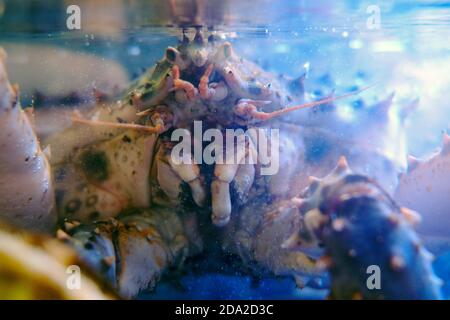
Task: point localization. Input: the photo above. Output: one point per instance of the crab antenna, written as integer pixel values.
(271, 115)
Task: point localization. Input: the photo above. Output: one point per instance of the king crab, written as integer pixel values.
(131, 211)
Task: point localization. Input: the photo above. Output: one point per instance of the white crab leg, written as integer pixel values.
(26, 189)
(189, 173)
(241, 169)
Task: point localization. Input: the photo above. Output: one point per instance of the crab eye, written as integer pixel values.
(171, 54)
(211, 39)
(88, 246)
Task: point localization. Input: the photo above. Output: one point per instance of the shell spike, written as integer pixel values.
(185, 38)
(62, 235)
(292, 242)
(198, 38)
(227, 50)
(413, 162)
(384, 106)
(108, 261)
(397, 262)
(297, 85)
(411, 216)
(299, 202)
(445, 143)
(314, 183)
(409, 108)
(324, 263)
(342, 165)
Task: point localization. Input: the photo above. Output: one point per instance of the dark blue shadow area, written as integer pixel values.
(217, 286)
(442, 269)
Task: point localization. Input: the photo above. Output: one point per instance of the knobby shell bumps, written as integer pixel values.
(134, 214)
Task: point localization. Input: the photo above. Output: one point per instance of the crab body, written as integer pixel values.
(133, 212)
(197, 81)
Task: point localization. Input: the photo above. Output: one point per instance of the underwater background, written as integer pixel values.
(396, 46)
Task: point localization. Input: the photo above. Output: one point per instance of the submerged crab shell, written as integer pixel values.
(104, 178)
(244, 79)
(362, 227)
(132, 251)
(152, 87)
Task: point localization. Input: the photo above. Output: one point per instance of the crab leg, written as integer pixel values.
(263, 241)
(157, 128)
(238, 174)
(214, 91)
(247, 108)
(190, 173)
(179, 84)
(131, 252)
(26, 188)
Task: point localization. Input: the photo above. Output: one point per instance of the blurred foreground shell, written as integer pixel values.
(37, 267)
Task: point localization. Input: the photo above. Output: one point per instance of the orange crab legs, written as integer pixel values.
(213, 91)
(179, 84)
(207, 91)
(247, 108)
(203, 87)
